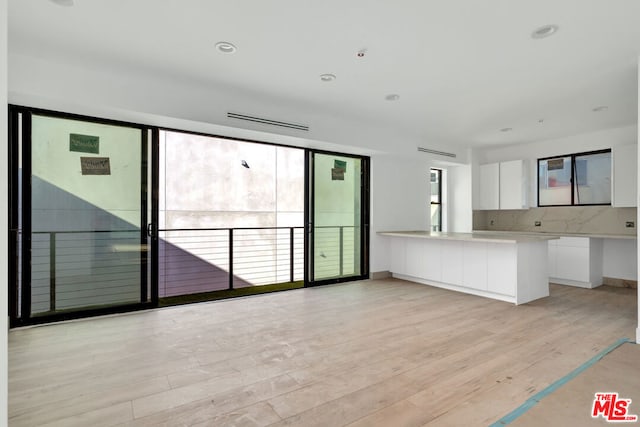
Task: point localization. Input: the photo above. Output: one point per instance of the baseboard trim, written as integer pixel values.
(576, 283)
(377, 275)
(620, 283)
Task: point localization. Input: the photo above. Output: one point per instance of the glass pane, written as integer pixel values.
(435, 218)
(435, 186)
(593, 179)
(337, 185)
(554, 181)
(86, 215)
(217, 195)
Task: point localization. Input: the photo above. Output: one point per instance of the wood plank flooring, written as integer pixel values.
(572, 403)
(369, 353)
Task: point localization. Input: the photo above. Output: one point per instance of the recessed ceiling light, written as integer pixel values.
(63, 2)
(506, 129)
(226, 47)
(327, 77)
(600, 108)
(392, 97)
(544, 31)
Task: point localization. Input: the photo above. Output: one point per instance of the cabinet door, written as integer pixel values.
(452, 262)
(502, 265)
(474, 270)
(552, 261)
(398, 258)
(513, 185)
(573, 263)
(489, 186)
(415, 256)
(625, 176)
(433, 260)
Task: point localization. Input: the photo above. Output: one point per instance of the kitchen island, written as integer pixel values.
(507, 267)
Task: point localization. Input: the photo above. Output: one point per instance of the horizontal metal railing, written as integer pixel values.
(196, 260)
(78, 269)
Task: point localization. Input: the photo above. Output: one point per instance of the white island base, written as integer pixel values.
(502, 267)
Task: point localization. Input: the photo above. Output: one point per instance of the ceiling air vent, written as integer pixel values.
(439, 153)
(267, 121)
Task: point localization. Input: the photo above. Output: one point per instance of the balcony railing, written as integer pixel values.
(209, 259)
(80, 269)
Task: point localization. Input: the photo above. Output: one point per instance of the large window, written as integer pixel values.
(575, 179)
(436, 199)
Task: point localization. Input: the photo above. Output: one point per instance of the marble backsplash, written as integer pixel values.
(570, 219)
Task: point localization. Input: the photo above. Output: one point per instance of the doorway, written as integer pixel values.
(78, 216)
(337, 218)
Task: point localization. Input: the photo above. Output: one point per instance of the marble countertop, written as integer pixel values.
(549, 233)
(484, 236)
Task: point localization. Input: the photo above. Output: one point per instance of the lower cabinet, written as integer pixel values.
(474, 269)
(513, 272)
(451, 261)
(502, 270)
(576, 261)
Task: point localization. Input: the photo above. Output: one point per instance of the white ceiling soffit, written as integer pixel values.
(463, 69)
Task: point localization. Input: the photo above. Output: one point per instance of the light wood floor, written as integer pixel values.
(572, 403)
(384, 352)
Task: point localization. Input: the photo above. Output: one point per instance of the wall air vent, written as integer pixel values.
(436, 152)
(267, 121)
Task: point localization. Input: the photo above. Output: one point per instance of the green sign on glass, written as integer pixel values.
(84, 143)
(340, 164)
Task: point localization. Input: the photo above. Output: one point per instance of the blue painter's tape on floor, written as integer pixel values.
(533, 400)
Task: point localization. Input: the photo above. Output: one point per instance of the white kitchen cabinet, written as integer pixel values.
(576, 261)
(414, 254)
(451, 262)
(625, 176)
(513, 185)
(502, 271)
(552, 258)
(433, 261)
(489, 186)
(423, 259)
(474, 268)
(398, 258)
(503, 185)
(506, 268)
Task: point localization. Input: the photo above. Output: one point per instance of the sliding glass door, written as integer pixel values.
(86, 226)
(338, 217)
(83, 220)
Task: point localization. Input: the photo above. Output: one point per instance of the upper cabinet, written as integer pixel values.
(503, 186)
(625, 176)
(513, 185)
(489, 187)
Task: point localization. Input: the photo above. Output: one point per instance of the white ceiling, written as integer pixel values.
(464, 69)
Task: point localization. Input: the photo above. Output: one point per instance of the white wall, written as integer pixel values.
(148, 98)
(3, 213)
(460, 216)
(399, 201)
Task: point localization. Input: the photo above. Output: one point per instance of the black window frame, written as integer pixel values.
(439, 202)
(572, 179)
